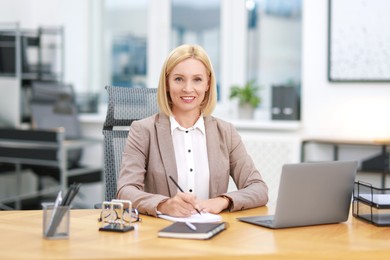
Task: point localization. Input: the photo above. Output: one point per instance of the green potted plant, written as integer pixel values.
(248, 98)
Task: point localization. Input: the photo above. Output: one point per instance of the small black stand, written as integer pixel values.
(114, 227)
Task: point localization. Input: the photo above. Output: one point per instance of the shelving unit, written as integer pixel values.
(26, 56)
(336, 144)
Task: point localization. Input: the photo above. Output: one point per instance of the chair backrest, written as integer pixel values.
(53, 106)
(125, 105)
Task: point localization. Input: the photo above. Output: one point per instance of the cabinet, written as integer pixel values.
(26, 56)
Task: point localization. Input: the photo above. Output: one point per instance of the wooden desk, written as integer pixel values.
(337, 143)
(21, 238)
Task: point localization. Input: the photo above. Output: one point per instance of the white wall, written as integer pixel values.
(73, 15)
(158, 42)
(17, 11)
(342, 110)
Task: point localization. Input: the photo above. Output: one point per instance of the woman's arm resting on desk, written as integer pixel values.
(183, 204)
(215, 205)
(252, 190)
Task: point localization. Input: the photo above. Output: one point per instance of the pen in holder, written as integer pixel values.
(55, 221)
(115, 216)
(56, 215)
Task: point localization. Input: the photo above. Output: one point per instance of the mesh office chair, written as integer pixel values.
(125, 105)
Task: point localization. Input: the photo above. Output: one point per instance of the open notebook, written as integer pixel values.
(196, 218)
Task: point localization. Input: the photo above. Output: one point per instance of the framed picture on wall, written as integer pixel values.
(359, 41)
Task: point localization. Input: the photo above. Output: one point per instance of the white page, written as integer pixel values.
(381, 199)
(196, 218)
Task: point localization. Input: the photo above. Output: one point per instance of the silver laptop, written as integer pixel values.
(311, 194)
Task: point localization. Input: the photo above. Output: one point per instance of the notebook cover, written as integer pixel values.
(203, 230)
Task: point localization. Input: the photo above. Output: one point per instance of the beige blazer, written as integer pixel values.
(149, 158)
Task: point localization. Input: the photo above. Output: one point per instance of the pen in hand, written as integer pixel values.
(177, 185)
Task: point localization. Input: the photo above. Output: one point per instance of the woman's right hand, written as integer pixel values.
(182, 205)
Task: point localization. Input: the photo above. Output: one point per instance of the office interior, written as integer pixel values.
(278, 44)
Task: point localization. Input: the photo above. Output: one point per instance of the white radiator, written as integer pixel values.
(269, 153)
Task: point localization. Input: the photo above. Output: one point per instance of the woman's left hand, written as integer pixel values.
(214, 206)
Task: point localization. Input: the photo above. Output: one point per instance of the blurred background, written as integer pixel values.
(322, 68)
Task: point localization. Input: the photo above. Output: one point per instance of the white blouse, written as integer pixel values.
(191, 157)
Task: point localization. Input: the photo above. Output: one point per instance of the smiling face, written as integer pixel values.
(187, 85)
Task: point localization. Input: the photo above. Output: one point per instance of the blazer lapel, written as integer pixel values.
(165, 144)
(212, 148)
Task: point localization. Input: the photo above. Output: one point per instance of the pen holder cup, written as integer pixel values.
(56, 221)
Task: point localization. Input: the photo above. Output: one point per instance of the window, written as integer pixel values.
(198, 22)
(274, 43)
(126, 42)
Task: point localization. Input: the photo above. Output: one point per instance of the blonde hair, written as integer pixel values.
(176, 56)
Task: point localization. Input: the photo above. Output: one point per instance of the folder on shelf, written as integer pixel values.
(285, 103)
(276, 103)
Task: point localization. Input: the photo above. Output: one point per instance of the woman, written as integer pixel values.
(186, 143)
